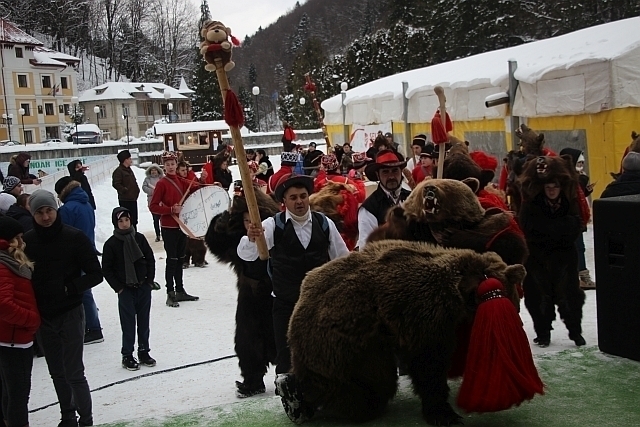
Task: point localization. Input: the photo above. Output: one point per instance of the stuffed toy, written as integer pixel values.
(218, 44)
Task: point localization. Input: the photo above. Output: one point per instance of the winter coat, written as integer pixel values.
(66, 265)
(19, 171)
(166, 195)
(312, 161)
(76, 210)
(150, 182)
(78, 175)
(19, 317)
(22, 215)
(264, 176)
(124, 181)
(224, 177)
(113, 266)
(627, 184)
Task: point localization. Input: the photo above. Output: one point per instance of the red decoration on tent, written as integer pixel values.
(233, 113)
(499, 372)
(438, 130)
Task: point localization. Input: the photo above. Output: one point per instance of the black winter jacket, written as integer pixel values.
(22, 215)
(82, 179)
(61, 254)
(627, 184)
(113, 263)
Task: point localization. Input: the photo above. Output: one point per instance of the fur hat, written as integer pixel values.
(427, 151)
(384, 159)
(631, 162)
(123, 155)
(41, 198)
(10, 183)
(289, 158)
(420, 140)
(61, 184)
(288, 181)
(118, 213)
(6, 200)
(9, 228)
(329, 162)
(360, 160)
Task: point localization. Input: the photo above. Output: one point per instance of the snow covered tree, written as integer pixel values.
(206, 102)
(253, 76)
(247, 102)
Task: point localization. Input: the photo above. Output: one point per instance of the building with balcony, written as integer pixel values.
(37, 86)
(111, 104)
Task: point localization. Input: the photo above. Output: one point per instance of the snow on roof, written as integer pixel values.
(87, 127)
(184, 89)
(56, 55)
(596, 44)
(10, 33)
(126, 90)
(162, 129)
(42, 58)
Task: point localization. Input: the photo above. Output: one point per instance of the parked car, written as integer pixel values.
(52, 141)
(9, 142)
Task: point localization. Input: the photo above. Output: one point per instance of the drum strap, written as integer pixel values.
(183, 227)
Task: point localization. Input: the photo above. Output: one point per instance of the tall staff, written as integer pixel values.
(234, 117)
(311, 88)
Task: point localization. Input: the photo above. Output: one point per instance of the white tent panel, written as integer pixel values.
(526, 99)
(476, 108)
(560, 95)
(625, 73)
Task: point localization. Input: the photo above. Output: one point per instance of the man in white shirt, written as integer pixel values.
(418, 143)
(298, 240)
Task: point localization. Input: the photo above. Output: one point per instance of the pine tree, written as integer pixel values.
(244, 96)
(253, 75)
(206, 102)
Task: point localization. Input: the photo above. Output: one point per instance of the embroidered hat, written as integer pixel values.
(329, 162)
(289, 157)
(360, 159)
(169, 155)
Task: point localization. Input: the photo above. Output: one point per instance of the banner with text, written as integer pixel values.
(362, 137)
(50, 166)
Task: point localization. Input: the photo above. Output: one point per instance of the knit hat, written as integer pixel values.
(631, 162)
(61, 184)
(10, 183)
(123, 155)
(41, 198)
(6, 200)
(289, 157)
(9, 228)
(118, 213)
(329, 162)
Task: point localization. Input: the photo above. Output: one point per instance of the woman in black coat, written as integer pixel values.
(221, 172)
(263, 157)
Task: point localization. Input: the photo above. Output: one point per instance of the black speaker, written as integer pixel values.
(617, 253)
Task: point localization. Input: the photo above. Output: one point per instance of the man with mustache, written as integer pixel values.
(387, 169)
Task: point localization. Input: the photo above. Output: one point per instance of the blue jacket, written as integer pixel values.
(76, 210)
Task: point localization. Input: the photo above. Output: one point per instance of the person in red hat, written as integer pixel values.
(298, 240)
(331, 172)
(387, 169)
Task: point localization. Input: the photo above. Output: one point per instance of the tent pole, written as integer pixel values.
(513, 86)
(405, 118)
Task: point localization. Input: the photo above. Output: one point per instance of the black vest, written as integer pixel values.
(378, 203)
(290, 261)
(265, 176)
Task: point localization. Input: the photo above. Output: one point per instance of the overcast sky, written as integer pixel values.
(244, 17)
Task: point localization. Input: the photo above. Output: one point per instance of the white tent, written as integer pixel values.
(587, 71)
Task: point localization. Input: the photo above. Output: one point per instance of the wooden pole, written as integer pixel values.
(316, 106)
(245, 174)
(443, 119)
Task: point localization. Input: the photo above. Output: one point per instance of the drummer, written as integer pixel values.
(166, 201)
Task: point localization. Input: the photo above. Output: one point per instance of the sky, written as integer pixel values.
(244, 17)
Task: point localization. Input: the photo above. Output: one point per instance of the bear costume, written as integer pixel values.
(353, 318)
(254, 338)
(551, 227)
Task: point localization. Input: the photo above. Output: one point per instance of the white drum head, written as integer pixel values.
(202, 206)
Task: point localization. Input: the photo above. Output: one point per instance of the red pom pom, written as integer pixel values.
(233, 114)
(235, 41)
(484, 160)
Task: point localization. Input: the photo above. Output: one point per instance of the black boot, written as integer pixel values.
(578, 339)
(244, 389)
(130, 363)
(291, 396)
(543, 340)
(145, 359)
(171, 299)
(184, 296)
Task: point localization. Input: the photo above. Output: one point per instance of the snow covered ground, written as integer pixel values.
(194, 332)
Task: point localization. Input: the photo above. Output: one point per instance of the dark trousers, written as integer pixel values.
(175, 243)
(156, 224)
(15, 376)
(282, 311)
(61, 339)
(582, 262)
(134, 304)
(133, 208)
(92, 320)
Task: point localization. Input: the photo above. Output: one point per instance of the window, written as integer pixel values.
(148, 109)
(48, 109)
(66, 109)
(46, 81)
(164, 109)
(28, 137)
(27, 109)
(22, 80)
(19, 53)
(125, 110)
(64, 83)
(103, 111)
(52, 131)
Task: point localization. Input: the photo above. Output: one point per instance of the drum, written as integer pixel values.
(201, 207)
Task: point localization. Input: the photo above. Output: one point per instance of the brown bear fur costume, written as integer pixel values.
(447, 212)
(552, 278)
(337, 201)
(354, 317)
(254, 339)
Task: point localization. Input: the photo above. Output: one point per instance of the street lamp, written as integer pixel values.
(167, 97)
(343, 92)
(96, 110)
(21, 111)
(256, 92)
(74, 101)
(303, 101)
(8, 119)
(125, 116)
(169, 109)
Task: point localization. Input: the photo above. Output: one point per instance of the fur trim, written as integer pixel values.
(156, 167)
(455, 202)
(67, 189)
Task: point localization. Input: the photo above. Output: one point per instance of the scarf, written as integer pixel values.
(300, 219)
(12, 264)
(132, 253)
